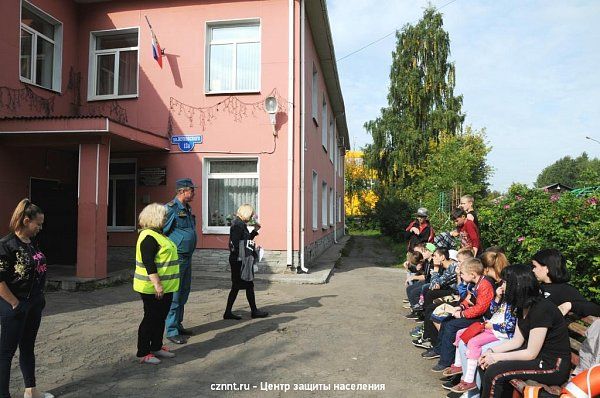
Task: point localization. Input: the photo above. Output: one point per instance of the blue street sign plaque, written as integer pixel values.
(186, 142)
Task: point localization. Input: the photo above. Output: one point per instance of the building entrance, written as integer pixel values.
(58, 238)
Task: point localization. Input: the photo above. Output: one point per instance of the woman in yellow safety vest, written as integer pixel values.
(156, 278)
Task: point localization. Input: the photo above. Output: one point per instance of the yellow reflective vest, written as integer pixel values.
(167, 265)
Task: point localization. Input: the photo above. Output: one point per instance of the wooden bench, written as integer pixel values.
(577, 329)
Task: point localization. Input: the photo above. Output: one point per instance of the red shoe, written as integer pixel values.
(463, 387)
(452, 371)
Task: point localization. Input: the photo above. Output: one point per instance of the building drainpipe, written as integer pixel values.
(335, 162)
(302, 130)
(290, 157)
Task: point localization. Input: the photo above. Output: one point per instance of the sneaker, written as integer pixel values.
(417, 332)
(405, 301)
(453, 370)
(417, 308)
(431, 354)
(406, 306)
(150, 359)
(164, 352)
(39, 394)
(439, 368)
(412, 315)
(463, 387)
(422, 343)
(449, 384)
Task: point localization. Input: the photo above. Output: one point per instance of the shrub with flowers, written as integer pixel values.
(526, 220)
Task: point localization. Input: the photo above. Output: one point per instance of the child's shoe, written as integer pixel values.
(463, 387)
(453, 370)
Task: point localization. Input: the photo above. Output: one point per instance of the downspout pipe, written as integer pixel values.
(302, 131)
(290, 151)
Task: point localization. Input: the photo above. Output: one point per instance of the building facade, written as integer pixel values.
(93, 127)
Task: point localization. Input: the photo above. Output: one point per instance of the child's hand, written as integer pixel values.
(415, 230)
(456, 314)
(488, 325)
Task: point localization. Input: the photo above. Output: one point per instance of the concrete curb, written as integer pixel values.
(320, 270)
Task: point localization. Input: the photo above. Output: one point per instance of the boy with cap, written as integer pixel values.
(419, 230)
(180, 227)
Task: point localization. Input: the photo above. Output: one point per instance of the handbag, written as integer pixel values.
(471, 331)
(442, 312)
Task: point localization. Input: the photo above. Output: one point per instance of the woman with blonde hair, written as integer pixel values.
(239, 233)
(156, 278)
(22, 280)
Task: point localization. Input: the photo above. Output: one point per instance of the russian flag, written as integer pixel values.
(156, 51)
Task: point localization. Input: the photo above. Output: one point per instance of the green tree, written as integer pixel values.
(421, 102)
(453, 160)
(573, 172)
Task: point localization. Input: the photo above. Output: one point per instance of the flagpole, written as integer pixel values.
(162, 50)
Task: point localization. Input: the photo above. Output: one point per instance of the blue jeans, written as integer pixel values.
(18, 328)
(180, 297)
(445, 344)
(413, 292)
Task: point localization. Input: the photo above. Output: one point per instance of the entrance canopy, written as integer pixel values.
(93, 139)
(70, 132)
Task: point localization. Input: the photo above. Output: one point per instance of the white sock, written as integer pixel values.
(470, 373)
(457, 362)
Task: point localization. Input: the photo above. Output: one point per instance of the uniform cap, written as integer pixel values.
(184, 183)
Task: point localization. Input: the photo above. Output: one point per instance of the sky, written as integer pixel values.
(529, 73)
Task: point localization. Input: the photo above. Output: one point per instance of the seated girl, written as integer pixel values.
(550, 269)
(498, 327)
(538, 351)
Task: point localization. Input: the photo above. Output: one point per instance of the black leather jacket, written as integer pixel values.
(22, 266)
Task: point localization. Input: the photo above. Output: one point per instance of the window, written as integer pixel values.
(315, 95)
(113, 64)
(324, 125)
(121, 195)
(229, 184)
(331, 138)
(233, 57)
(331, 201)
(315, 200)
(324, 205)
(339, 209)
(41, 48)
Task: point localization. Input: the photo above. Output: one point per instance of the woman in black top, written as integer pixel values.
(540, 348)
(239, 232)
(22, 279)
(550, 269)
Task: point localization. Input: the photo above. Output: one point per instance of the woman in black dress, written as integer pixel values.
(239, 232)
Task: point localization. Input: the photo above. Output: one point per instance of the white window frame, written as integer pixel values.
(324, 126)
(57, 42)
(208, 42)
(93, 58)
(339, 209)
(315, 200)
(112, 179)
(324, 205)
(224, 230)
(315, 95)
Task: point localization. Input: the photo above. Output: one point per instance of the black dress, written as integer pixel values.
(238, 231)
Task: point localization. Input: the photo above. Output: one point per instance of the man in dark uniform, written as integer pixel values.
(180, 227)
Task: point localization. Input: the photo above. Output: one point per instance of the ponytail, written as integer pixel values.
(25, 209)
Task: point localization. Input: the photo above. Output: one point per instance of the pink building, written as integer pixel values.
(92, 128)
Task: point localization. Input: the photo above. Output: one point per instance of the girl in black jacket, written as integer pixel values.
(550, 269)
(239, 232)
(22, 280)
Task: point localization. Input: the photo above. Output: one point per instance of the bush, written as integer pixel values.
(527, 220)
(393, 215)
